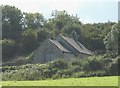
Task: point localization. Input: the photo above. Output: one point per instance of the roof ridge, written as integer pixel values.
(78, 47)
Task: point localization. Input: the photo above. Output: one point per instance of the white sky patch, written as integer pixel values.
(87, 19)
(40, 5)
(46, 7)
(36, 5)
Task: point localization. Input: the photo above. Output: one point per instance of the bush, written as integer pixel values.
(76, 69)
(79, 74)
(96, 73)
(60, 64)
(47, 73)
(113, 68)
(62, 74)
(67, 73)
(76, 62)
(93, 64)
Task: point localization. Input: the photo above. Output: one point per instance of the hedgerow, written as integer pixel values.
(92, 66)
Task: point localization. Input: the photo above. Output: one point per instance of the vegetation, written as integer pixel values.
(24, 32)
(92, 66)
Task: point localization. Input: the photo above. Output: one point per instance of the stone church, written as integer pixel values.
(60, 48)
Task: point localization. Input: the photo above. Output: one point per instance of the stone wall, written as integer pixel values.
(47, 52)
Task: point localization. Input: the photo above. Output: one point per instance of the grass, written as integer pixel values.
(91, 81)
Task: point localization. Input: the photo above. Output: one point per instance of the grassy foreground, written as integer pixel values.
(92, 81)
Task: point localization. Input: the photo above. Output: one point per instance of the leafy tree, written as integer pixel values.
(74, 31)
(33, 20)
(8, 48)
(62, 18)
(42, 35)
(94, 35)
(111, 40)
(28, 41)
(11, 22)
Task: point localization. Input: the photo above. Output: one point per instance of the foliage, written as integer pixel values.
(29, 30)
(94, 64)
(28, 41)
(11, 22)
(42, 35)
(111, 40)
(59, 64)
(97, 66)
(113, 67)
(8, 45)
(33, 20)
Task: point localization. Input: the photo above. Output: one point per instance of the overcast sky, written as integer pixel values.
(89, 11)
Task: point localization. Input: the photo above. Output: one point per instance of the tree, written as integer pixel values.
(33, 20)
(69, 29)
(111, 40)
(28, 41)
(94, 35)
(62, 18)
(42, 35)
(11, 22)
(8, 48)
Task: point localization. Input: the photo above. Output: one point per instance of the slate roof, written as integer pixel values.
(57, 44)
(77, 45)
(85, 49)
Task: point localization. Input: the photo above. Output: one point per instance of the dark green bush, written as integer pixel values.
(76, 68)
(93, 64)
(76, 62)
(67, 73)
(113, 68)
(60, 64)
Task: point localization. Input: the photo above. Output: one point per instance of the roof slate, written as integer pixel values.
(56, 43)
(77, 45)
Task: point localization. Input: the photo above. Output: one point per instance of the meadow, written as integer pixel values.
(90, 81)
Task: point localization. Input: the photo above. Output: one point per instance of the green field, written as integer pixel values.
(92, 81)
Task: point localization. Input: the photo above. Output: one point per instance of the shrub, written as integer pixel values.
(47, 73)
(60, 64)
(113, 68)
(76, 69)
(67, 73)
(79, 74)
(76, 62)
(96, 73)
(93, 64)
(56, 76)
